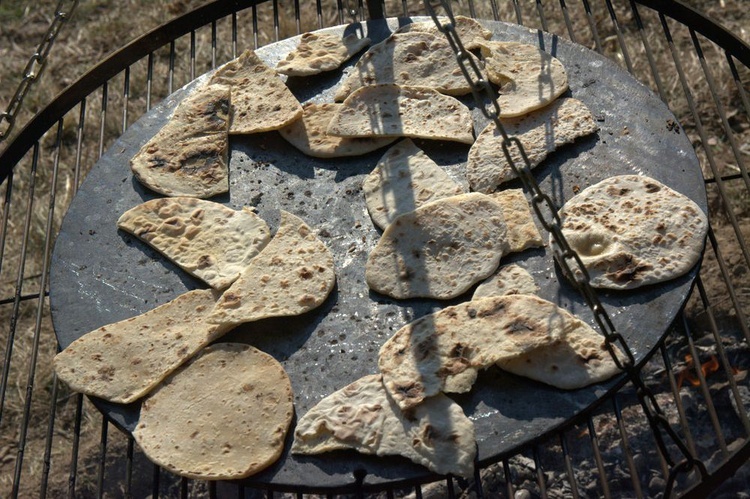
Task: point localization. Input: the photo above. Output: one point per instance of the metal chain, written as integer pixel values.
(35, 66)
(566, 256)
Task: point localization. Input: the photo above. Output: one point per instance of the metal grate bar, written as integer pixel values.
(625, 444)
(594, 441)
(648, 51)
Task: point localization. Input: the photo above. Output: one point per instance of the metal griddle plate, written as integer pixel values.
(101, 275)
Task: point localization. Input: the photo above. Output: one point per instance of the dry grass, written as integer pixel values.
(100, 26)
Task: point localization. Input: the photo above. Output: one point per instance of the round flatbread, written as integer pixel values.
(540, 133)
(206, 239)
(310, 134)
(320, 52)
(260, 100)
(122, 362)
(529, 78)
(467, 28)
(404, 179)
(632, 230)
(361, 416)
(188, 155)
(292, 275)
(395, 111)
(440, 249)
(223, 416)
(444, 351)
(408, 59)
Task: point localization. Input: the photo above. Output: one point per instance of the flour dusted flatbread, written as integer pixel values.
(223, 416)
(632, 230)
(310, 134)
(260, 100)
(528, 77)
(522, 231)
(361, 416)
(320, 52)
(508, 280)
(540, 132)
(440, 249)
(408, 59)
(188, 156)
(467, 28)
(208, 240)
(404, 179)
(578, 359)
(122, 362)
(395, 111)
(292, 275)
(444, 351)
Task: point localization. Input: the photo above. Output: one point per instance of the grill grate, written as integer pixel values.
(54, 443)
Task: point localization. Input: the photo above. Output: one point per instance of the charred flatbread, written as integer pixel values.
(443, 351)
(122, 362)
(320, 52)
(632, 230)
(260, 100)
(223, 416)
(395, 111)
(206, 239)
(404, 179)
(310, 134)
(440, 249)
(188, 155)
(292, 275)
(361, 416)
(540, 133)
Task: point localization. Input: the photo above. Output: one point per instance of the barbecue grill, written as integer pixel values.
(677, 425)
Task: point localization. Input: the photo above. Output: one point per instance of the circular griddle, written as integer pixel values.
(100, 275)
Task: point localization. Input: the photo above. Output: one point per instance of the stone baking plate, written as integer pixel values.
(100, 275)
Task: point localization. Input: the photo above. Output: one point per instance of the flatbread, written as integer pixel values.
(404, 179)
(528, 77)
(632, 230)
(361, 416)
(292, 275)
(122, 362)
(540, 132)
(522, 230)
(578, 359)
(206, 239)
(223, 416)
(468, 29)
(320, 52)
(508, 280)
(260, 100)
(444, 351)
(408, 59)
(440, 249)
(310, 134)
(394, 111)
(188, 155)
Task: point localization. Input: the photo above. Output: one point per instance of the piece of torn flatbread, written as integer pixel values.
(292, 275)
(188, 155)
(394, 111)
(361, 416)
(522, 230)
(260, 99)
(540, 133)
(123, 361)
(404, 179)
(206, 239)
(310, 134)
(443, 351)
(223, 416)
(320, 52)
(508, 280)
(632, 230)
(440, 249)
(469, 30)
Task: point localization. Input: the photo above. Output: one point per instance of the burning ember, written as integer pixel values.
(687, 372)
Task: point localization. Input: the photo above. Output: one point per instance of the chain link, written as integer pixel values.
(35, 66)
(569, 261)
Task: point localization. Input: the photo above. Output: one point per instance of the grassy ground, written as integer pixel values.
(95, 29)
